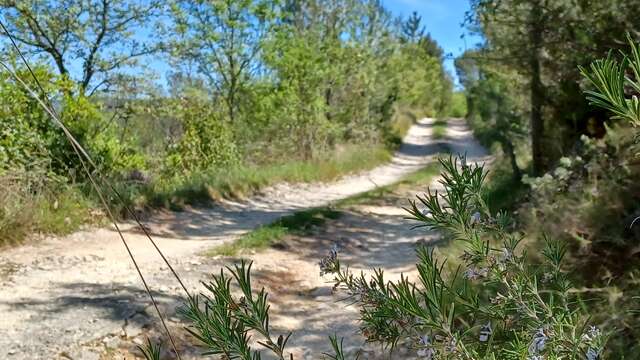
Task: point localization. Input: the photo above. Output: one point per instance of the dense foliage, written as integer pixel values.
(583, 193)
(530, 59)
(260, 91)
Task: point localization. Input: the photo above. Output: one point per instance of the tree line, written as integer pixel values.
(320, 71)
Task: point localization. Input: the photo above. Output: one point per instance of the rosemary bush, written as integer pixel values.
(223, 322)
(497, 305)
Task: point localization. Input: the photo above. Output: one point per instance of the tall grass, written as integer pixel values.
(243, 180)
(32, 202)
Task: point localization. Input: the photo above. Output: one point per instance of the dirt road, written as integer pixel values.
(79, 297)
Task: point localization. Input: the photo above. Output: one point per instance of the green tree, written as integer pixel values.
(207, 139)
(515, 30)
(525, 36)
(98, 34)
(412, 29)
(495, 113)
(224, 39)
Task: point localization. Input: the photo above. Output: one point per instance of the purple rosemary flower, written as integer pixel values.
(485, 332)
(538, 342)
(592, 334)
(426, 351)
(451, 346)
(475, 218)
(593, 354)
(507, 255)
(473, 273)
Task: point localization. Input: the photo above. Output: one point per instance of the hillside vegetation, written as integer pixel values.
(256, 92)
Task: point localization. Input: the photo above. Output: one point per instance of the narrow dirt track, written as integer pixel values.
(79, 297)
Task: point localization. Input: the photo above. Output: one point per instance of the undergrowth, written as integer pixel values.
(243, 180)
(32, 203)
(42, 203)
(59, 206)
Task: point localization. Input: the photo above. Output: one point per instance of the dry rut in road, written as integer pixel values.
(79, 297)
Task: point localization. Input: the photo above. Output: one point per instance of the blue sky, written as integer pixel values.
(441, 18)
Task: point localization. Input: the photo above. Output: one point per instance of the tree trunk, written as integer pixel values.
(470, 108)
(327, 101)
(537, 91)
(509, 150)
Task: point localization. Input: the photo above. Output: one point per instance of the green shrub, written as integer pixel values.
(401, 121)
(458, 106)
(207, 139)
(498, 305)
(25, 133)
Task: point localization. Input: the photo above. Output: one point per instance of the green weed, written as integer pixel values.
(28, 206)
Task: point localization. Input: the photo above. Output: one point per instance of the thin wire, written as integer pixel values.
(79, 150)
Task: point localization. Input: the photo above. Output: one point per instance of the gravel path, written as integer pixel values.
(79, 297)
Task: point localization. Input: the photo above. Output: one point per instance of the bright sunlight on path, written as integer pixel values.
(77, 297)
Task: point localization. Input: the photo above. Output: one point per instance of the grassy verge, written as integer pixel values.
(28, 208)
(58, 208)
(244, 180)
(61, 209)
(300, 223)
(440, 128)
(421, 177)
